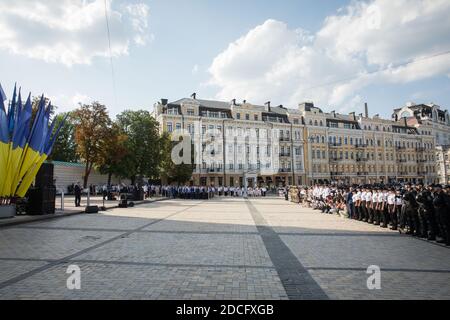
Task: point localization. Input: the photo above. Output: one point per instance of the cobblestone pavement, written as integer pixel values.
(217, 249)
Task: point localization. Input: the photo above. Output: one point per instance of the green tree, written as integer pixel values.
(142, 144)
(92, 127)
(179, 174)
(113, 154)
(65, 148)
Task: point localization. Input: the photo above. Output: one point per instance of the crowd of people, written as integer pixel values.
(208, 192)
(420, 210)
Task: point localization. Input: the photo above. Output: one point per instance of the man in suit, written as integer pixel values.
(77, 190)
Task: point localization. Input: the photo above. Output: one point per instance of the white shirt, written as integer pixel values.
(391, 198)
(380, 197)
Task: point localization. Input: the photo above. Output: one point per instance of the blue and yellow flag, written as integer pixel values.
(24, 146)
(4, 139)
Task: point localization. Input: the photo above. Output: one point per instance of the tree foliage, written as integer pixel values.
(113, 153)
(142, 144)
(65, 148)
(92, 129)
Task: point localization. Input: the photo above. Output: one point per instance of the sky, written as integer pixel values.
(338, 54)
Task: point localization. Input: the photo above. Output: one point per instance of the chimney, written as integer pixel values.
(244, 101)
(352, 114)
(194, 96)
(233, 102)
(267, 104)
(164, 101)
(366, 110)
(281, 106)
(333, 113)
(405, 121)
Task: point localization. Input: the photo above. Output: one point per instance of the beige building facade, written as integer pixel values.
(238, 142)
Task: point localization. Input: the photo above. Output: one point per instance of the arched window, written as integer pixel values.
(315, 123)
(321, 123)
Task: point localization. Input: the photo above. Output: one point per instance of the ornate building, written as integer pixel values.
(277, 145)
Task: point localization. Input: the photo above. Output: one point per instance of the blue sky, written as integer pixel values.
(169, 49)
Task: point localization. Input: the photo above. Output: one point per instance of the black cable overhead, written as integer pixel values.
(110, 53)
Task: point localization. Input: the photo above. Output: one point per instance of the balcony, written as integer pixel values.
(285, 139)
(336, 173)
(336, 159)
(421, 161)
(285, 154)
(334, 144)
(422, 173)
(420, 149)
(284, 170)
(361, 159)
(403, 173)
(399, 148)
(363, 145)
(401, 160)
(360, 173)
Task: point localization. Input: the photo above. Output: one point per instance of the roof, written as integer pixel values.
(204, 103)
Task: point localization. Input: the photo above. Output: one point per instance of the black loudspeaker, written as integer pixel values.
(91, 209)
(44, 177)
(41, 200)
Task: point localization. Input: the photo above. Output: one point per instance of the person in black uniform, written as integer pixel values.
(427, 223)
(77, 191)
(441, 203)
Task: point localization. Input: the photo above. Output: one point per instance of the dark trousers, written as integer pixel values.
(396, 216)
(412, 218)
(362, 211)
(431, 223)
(385, 216)
(350, 209)
(370, 215)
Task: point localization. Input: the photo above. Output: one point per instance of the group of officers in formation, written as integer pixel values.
(208, 192)
(420, 210)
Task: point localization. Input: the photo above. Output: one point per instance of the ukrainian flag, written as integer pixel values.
(4, 139)
(49, 137)
(15, 153)
(23, 149)
(21, 130)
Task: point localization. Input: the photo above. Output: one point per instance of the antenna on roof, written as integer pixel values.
(194, 96)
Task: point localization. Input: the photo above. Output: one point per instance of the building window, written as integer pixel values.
(238, 116)
(169, 127)
(256, 117)
(247, 116)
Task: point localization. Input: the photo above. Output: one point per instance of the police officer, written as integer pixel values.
(441, 203)
(424, 201)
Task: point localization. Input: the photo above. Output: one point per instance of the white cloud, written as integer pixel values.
(288, 66)
(70, 31)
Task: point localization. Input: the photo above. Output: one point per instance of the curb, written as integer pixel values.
(7, 223)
